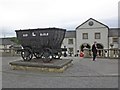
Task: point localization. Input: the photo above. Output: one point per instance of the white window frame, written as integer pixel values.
(83, 35)
(96, 37)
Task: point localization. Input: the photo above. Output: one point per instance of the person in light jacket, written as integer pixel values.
(94, 50)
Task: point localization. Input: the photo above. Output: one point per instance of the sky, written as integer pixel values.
(67, 14)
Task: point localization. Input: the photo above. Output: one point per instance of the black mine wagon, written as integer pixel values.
(44, 43)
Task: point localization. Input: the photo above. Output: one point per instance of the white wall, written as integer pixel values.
(111, 41)
(95, 25)
(91, 37)
(91, 30)
(65, 43)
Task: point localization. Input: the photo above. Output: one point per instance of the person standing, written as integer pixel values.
(94, 50)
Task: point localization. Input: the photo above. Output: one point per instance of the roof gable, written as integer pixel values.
(92, 23)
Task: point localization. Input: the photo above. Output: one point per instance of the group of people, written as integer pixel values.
(94, 50)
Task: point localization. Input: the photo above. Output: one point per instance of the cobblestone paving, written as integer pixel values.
(84, 73)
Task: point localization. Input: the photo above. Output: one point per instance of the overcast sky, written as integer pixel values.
(68, 14)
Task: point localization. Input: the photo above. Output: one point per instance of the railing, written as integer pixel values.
(9, 52)
(103, 53)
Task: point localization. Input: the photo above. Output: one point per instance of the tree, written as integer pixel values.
(15, 40)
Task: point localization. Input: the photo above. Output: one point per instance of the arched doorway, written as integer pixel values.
(84, 45)
(100, 48)
(87, 46)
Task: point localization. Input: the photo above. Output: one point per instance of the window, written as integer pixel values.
(115, 40)
(25, 35)
(97, 35)
(85, 35)
(70, 41)
(33, 34)
(70, 50)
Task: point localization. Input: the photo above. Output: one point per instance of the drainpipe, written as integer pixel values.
(108, 42)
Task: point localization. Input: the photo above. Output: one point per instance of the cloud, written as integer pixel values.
(25, 14)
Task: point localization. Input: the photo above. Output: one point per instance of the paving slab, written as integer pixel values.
(84, 73)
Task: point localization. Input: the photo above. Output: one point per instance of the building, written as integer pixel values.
(114, 37)
(70, 42)
(85, 34)
(6, 43)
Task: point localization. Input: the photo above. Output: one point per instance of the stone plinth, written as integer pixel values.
(55, 65)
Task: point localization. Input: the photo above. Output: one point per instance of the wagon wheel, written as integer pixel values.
(38, 55)
(57, 55)
(47, 55)
(27, 54)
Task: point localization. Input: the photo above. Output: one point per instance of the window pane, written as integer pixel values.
(115, 40)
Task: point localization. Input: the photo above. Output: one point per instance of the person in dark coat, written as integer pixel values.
(94, 50)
